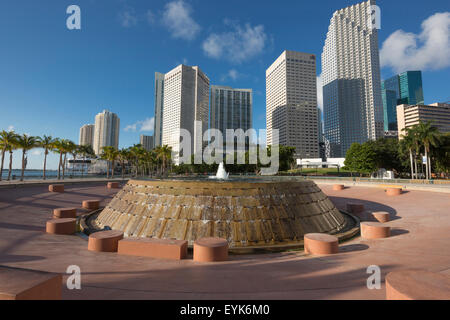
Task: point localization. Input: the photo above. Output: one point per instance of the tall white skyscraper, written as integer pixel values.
(106, 133)
(353, 109)
(291, 89)
(87, 135)
(186, 100)
(159, 105)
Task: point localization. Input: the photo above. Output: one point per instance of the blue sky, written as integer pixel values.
(54, 80)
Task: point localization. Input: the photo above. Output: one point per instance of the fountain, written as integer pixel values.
(221, 173)
(258, 213)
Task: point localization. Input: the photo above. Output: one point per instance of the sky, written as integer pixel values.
(54, 80)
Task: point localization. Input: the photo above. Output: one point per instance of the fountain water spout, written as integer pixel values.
(221, 173)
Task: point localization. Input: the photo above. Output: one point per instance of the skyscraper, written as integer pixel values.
(231, 109)
(106, 131)
(404, 88)
(410, 115)
(353, 108)
(146, 142)
(87, 135)
(290, 81)
(159, 104)
(298, 127)
(186, 100)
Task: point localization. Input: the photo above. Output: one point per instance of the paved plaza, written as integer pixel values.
(420, 239)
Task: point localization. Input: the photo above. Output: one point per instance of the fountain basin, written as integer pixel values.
(249, 214)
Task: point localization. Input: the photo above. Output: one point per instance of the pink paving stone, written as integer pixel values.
(423, 216)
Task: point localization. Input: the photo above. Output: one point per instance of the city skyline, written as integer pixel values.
(64, 109)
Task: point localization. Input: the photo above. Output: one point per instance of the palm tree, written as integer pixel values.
(123, 156)
(69, 146)
(429, 137)
(7, 142)
(11, 148)
(74, 150)
(110, 154)
(26, 143)
(135, 152)
(59, 148)
(164, 153)
(48, 144)
(409, 144)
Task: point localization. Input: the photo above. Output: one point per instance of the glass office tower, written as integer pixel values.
(404, 88)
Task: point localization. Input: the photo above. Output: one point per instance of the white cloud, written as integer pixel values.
(232, 74)
(429, 50)
(10, 128)
(145, 125)
(131, 127)
(238, 45)
(148, 124)
(128, 18)
(320, 92)
(177, 18)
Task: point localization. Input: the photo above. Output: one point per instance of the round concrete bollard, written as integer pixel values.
(375, 230)
(56, 188)
(380, 216)
(338, 187)
(105, 241)
(417, 285)
(61, 226)
(64, 213)
(353, 207)
(320, 243)
(91, 204)
(210, 250)
(392, 192)
(113, 185)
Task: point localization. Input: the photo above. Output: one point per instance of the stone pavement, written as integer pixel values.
(421, 225)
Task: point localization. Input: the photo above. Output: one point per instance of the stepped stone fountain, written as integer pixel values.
(247, 213)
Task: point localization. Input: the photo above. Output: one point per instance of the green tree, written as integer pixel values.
(429, 137)
(26, 143)
(47, 143)
(109, 154)
(361, 158)
(441, 154)
(8, 141)
(164, 154)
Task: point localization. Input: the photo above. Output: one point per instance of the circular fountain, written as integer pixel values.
(250, 213)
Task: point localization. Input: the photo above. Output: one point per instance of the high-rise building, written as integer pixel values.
(106, 131)
(231, 109)
(404, 88)
(298, 127)
(146, 142)
(290, 81)
(159, 104)
(437, 113)
(352, 104)
(186, 100)
(87, 135)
